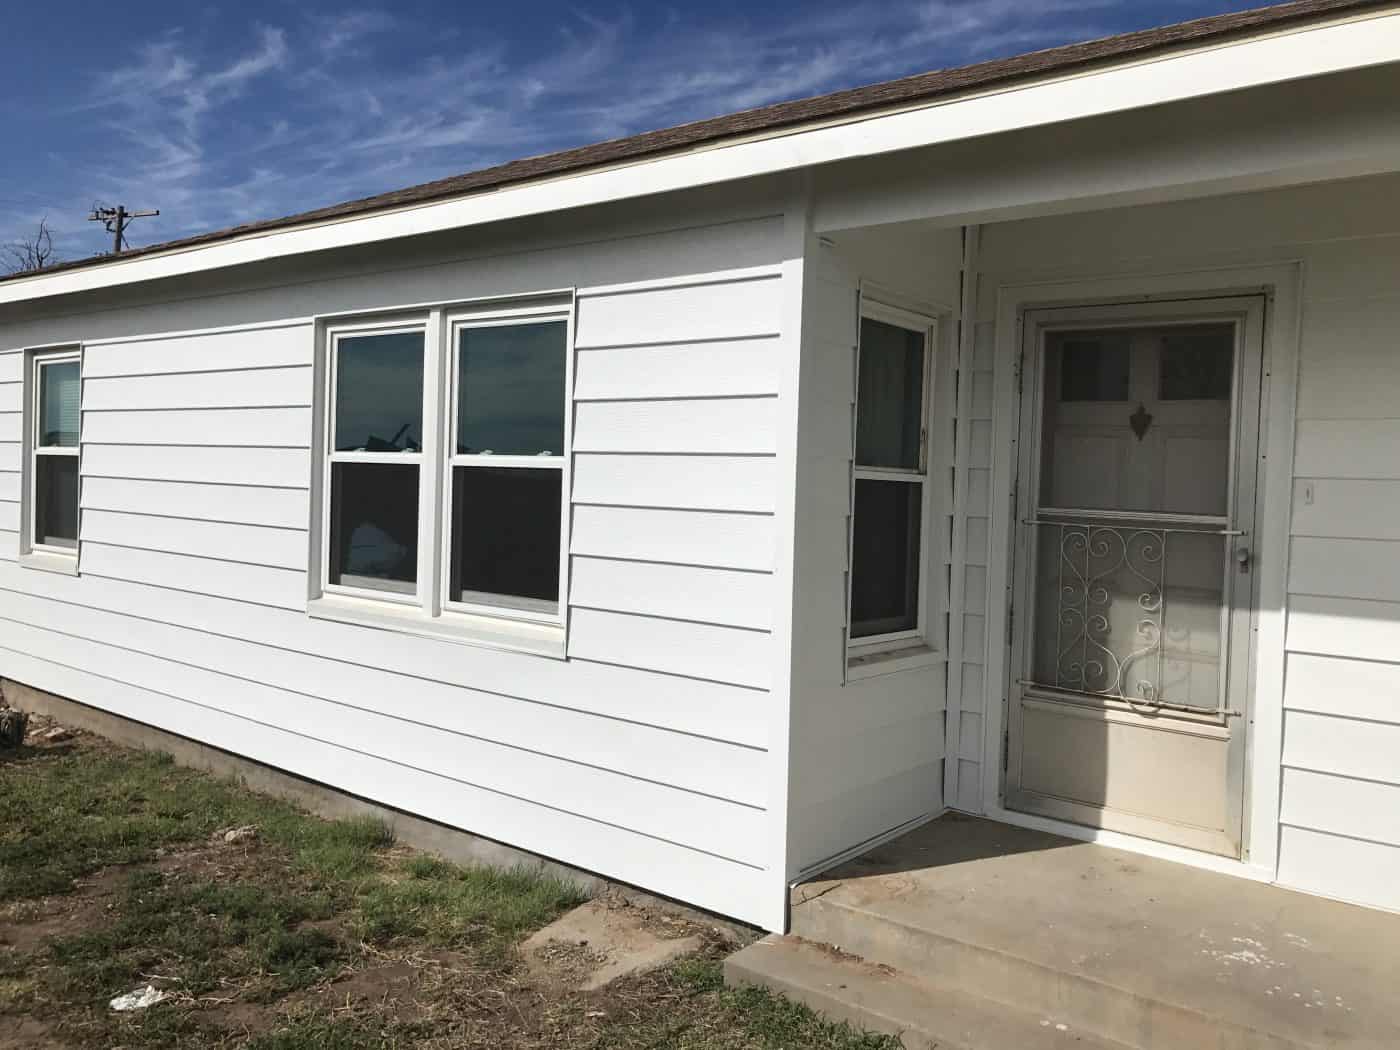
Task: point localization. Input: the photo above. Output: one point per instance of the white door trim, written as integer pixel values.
(1280, 282)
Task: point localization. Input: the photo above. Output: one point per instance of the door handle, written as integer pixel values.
(1242, 558)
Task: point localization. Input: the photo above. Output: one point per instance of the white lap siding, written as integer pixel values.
(866, 754)
(11, 397)
(1341, 702)
(643, 756)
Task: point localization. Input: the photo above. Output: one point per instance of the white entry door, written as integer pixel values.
(1133, 586)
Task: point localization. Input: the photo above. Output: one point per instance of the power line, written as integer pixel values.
(116, 220)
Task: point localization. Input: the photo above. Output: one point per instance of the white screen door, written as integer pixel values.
(1133, 586)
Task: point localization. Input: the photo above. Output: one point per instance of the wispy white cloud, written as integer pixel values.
(346, 31)
(331, 106)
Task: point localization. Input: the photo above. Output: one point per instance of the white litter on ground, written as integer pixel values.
(139, 999)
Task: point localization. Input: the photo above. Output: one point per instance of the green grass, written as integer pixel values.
(66, 815)
(205, 933)
(444, 905)
(269, 925)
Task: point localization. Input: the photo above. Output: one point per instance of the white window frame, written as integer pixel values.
(895, 650)
(512, 624)
(33, 553)
(531, 610)
(334, 335)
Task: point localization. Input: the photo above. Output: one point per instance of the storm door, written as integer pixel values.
(1132, 605)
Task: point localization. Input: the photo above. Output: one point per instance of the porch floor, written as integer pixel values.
(1125, 947)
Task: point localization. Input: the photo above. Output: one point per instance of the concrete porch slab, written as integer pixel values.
(1142, 951)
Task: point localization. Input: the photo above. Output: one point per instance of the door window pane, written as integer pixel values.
(511, 395)
(56, 500)
(379, 393)
(885, 559)
(1093, 366)
(889, 411)
(505, 535)
(374, 526)
(1198, 362)
(59, 386)
(1148, 453)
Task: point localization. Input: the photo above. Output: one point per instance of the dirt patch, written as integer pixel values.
(605, 939)
(26, 925)
(31, 1034)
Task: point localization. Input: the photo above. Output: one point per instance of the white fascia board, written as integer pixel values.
(1289, 54)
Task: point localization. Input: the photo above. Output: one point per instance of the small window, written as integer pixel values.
(885, 557)
(1198, 362)
(54, 452)
(888, 574)
(1094, 366)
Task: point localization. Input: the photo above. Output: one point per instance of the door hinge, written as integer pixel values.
(1010, 623)
(1005, 752)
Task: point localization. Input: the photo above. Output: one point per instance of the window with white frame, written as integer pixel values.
(506, 466)
(375, 472)
(54, 419)
(445, 463)
(890, 514)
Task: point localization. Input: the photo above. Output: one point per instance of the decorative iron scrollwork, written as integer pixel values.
(1091, 558)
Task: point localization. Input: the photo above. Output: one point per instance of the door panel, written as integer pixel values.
(1139, 439)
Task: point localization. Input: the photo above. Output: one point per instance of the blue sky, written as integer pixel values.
(219, 113)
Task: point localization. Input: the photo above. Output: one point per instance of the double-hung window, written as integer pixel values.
(51, 518)
(890, 514)
(506, 466)
(445, 470)
(376, 461)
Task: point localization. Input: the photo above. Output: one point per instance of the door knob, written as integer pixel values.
(1242, 557)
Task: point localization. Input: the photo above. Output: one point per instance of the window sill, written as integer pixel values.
(486, 632)
(871, 663)
(64, 564)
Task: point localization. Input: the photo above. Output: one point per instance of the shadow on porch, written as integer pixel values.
(967, 932)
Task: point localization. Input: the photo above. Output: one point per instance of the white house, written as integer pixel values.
(700, 508)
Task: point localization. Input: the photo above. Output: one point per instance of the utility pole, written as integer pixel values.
(116, 220)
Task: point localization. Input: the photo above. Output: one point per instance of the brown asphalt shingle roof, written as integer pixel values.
(905, 91)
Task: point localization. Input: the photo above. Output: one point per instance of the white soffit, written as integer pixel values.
(1289, 54)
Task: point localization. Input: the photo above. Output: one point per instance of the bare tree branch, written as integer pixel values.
(32, 253)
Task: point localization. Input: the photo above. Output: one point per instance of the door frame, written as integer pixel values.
(1239, 595)
(1279, 283)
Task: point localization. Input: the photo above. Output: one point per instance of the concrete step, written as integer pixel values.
(1143, 952)
(1128, 1017)
(882, 999)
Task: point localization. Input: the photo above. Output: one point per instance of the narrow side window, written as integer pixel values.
(889, 499)
(53, 483)
(375, 452)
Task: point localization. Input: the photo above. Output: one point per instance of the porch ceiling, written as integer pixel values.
(1337, 126)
